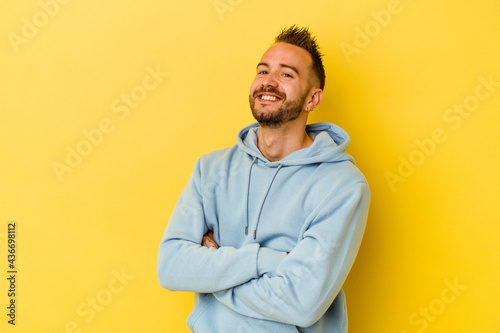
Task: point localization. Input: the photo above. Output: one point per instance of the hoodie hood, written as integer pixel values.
(330, 142)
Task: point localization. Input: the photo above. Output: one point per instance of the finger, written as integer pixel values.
(207, 242)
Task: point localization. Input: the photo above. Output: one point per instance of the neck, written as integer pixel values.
(277, 143)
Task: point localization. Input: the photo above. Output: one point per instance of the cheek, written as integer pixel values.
(253, 86)
(291, 92)
(300, 91)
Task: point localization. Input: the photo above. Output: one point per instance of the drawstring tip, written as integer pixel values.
(254, 233)
(246, 230)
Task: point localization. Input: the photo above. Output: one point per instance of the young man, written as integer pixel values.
(266, 231)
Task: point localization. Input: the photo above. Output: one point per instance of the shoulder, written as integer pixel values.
(342, 173)
(218, 155)
(337, 180)
(218, 159)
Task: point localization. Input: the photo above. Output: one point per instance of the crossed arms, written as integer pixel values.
(261, 282)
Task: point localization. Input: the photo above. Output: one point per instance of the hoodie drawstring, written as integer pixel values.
(248, 193)
(263, 201)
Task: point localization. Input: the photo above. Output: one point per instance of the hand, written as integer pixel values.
(208, 240)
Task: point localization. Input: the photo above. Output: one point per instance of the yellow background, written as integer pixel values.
(76, 232)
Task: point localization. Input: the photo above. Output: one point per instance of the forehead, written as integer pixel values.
(287, 54)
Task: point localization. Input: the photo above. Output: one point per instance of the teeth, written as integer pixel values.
(268, 98)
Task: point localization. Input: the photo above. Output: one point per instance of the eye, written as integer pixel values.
(287, 75)
(262, 72)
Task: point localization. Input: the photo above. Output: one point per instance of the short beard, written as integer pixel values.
(289, 111)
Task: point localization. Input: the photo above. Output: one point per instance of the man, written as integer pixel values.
(266, 231)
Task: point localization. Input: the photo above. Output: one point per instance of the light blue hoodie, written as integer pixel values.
(313, 204)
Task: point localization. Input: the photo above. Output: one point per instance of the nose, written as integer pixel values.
(269, 80)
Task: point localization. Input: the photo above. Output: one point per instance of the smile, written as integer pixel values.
(265, 97)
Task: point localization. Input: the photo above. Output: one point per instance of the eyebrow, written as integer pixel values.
(281, 65)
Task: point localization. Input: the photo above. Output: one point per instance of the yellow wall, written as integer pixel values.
(407, 79)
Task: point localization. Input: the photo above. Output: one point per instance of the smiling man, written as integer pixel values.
(266, 231)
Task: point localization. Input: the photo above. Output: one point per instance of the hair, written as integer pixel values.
(301, 37)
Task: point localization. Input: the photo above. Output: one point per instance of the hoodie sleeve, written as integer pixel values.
(184, 265)
(310, 277)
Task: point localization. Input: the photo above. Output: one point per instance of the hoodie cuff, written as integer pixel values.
(268, 261)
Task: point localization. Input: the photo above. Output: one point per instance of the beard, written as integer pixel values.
(288, 111)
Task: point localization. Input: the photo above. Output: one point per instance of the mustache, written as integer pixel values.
(269, 90)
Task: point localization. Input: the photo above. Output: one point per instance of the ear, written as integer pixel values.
(314, 100)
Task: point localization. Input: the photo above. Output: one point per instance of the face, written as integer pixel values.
(282, 85)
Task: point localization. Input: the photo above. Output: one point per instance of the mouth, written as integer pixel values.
(268, 97)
